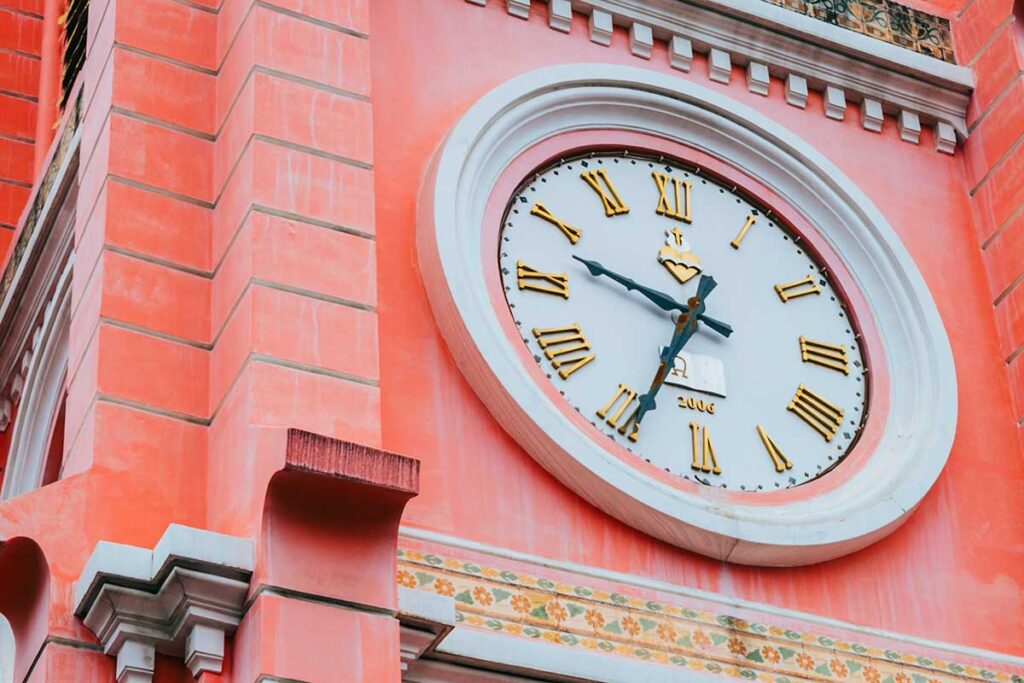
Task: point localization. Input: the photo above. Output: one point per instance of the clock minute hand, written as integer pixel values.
(685, 327)
(659, 299)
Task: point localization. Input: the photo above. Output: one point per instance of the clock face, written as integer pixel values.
(601, 259)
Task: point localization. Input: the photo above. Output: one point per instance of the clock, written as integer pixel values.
(598, 255)
(686, 313)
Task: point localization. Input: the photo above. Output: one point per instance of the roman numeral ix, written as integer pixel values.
(571, 233)
(549, 283)
(818, 413)
(564, 346)
(681, 212)
(610, 199)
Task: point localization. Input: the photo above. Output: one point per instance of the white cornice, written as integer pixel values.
(889, 78)
(181, 598)
(824, 54)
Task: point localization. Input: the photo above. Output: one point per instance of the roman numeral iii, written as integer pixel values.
(681, 212)
(598, 181)
(564, 346)
(549, 283)
(818, 413)
(831, 356)
(571, 233)
(779, 459)
(793, 290)
(623, 400)
(704, 459)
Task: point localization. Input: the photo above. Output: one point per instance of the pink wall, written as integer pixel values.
(951, 573)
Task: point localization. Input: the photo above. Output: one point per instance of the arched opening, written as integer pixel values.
(37, 441)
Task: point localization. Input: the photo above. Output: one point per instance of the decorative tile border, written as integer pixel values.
(577, 616)
(883, 20)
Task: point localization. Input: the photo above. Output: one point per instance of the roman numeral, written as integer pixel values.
(832, 356)
(779, 459)
(571, 233)
(738, 240)
(704, 459)
(681, 212)
(549, 283)
(818, 413)
(564, 346)
(613, 205)
(628, 396)
(796, 289)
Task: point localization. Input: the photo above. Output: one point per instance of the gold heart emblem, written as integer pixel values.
(675, 263)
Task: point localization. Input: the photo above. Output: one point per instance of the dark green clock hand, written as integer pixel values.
(659, 299)
(685, 327)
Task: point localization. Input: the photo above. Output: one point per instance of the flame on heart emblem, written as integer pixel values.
(677, 258)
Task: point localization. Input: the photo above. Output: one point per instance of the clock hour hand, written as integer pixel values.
(686, 325)
(659, 299)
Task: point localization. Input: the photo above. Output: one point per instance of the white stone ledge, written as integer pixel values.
(181, 598)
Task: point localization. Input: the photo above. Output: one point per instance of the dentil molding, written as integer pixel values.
(181, 598)
(829, 59)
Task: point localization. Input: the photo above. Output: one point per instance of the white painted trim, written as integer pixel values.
(44, 382)
(7, 651)
(539, 658)
(916, 439)
(727, 602)
(180, 598)
(789, 42)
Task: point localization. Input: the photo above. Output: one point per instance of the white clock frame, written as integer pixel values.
(913, 442)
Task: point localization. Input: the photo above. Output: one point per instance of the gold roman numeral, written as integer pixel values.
(571, 233)
(738, 240)
(613, 204)
(628, 396)
(818, 413)
(779, 458)
(704, 459)
(681, 212)
(564, 346)
(796, 289)
(549, 283)
(832, 356)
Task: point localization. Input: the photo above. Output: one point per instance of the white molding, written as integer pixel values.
(835, 103)
(181, 598)
(641, 40)
(945, 138)
(7, 651)
(871, 115)
(519, 8)
(601, 28)
(789, 42)
(426, 619)
(481, 3)
(719, 66)
(914, 442)
(680, 53)
(757, 78)
(41, 389)
(560, 15)
(538, 658)
(910, 127)
(726, 602)
(796, 91)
